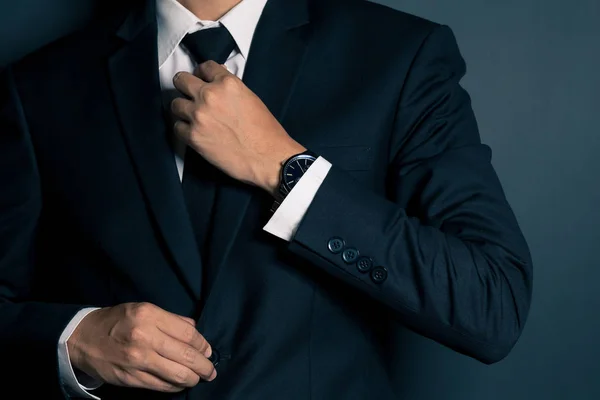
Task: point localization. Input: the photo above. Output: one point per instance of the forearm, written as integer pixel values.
(468, 289)
(29, 334)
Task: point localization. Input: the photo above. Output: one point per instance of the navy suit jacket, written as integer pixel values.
(92, 212)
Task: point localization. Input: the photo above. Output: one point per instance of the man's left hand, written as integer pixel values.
(224, 121)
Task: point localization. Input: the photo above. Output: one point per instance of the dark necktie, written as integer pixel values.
(210, 44)
(198, 175)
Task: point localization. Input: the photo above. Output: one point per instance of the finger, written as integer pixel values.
(188, 320)
(145, 380)
(188, 84)
(175, 327)
(184, 354)
(170, 371)
(210, 70)
(183, 108)
(183, 130)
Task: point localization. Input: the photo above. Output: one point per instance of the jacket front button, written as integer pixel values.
(336, 245)
(379, 274)
(215, 357)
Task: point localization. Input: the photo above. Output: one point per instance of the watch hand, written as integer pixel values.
(301, 169)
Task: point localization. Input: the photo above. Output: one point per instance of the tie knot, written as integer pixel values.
(210, 44)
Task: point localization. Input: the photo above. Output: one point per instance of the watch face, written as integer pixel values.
(295, 168)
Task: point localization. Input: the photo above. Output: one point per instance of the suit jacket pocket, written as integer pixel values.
(349, 158)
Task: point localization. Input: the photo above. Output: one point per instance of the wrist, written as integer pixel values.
(272, 175)
(76, 343)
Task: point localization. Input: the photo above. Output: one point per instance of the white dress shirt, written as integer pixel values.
(174, 22)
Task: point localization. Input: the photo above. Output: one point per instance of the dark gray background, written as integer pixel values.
(534, 75)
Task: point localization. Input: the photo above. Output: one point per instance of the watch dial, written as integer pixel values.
(295, 169)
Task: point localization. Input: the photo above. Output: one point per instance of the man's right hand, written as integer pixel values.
(143, 346)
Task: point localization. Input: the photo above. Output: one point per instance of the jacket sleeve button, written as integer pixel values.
(336, 245)
(350, 255)
(364, 264)
(379, 274)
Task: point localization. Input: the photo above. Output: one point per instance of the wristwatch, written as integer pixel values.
(292, 170)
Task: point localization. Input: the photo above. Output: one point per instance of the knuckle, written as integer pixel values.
(204, 344)
(180, 129)
(229, 81)
(137, 335)
(175, 105)
(142, 311)
(189, 355)
(189, 321)
(198, 115)
(182, 377)
(209, 95)
(189, 333)
(135, 356)
(177, 126)
(168, 388)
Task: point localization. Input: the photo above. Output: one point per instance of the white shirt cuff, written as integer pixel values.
(289, 214)
(75, 385)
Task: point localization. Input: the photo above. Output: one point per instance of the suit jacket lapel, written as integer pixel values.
(275, 58)
(135, 84)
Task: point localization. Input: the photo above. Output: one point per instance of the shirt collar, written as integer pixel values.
(175, 21)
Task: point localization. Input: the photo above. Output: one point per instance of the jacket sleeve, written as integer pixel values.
(443, 249)
(29, 330)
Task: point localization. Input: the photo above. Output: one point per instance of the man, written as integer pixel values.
(214, 199)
